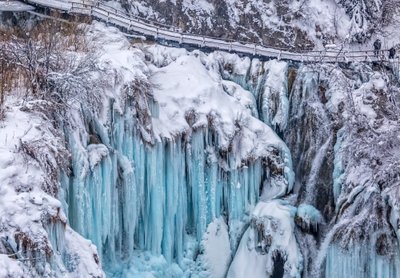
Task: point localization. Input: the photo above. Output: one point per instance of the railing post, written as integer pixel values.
(203, 42)
(255, 49)
(181, 39)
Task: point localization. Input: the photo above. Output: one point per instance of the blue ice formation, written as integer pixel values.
(126, 195)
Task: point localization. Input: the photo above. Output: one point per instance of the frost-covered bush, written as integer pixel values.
(39, 55)
(49, 152)
(139, 94)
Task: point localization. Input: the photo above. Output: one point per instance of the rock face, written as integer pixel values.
(289, 24)
(272, 23)
(343, 132)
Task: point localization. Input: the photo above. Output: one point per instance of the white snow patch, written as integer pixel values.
(217, 250)
(96, 153)
(271, 231)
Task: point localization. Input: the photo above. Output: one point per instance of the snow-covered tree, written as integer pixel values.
(365, 15)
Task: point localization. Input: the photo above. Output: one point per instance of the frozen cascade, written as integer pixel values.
(151, 197)
(338, 170)
(160, 197)
(273, 99)
(162, 183)
(315, 169)
(268, 82)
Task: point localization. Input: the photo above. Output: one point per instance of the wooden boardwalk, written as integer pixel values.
(134, 25)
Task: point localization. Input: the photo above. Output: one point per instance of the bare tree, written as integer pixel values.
(50, 70)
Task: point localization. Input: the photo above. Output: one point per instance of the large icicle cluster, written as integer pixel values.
(166, 157)
(361, 261)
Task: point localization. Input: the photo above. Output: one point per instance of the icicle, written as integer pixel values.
(338, 167)
(360, 262)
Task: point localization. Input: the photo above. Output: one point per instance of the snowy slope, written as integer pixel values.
(34, 232)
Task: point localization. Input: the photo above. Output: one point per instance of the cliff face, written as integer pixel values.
(281, 24)
(288, 24)
(342, 131)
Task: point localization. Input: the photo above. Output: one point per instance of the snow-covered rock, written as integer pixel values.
(35, 238)
(270, 235)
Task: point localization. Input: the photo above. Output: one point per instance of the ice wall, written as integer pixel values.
(204, 157)
(342, 132)
(147, 197)
(155, 169)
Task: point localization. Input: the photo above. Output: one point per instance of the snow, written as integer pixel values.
(10, 267)
(274, 222)
(185, 84)
(217, 249)
(58, 4)
(26, 210)
(198, 6)
(330, 19)
(96, 153)
(148, 265)
(14, 6)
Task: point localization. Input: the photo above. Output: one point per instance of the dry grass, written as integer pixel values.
(27, 49)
